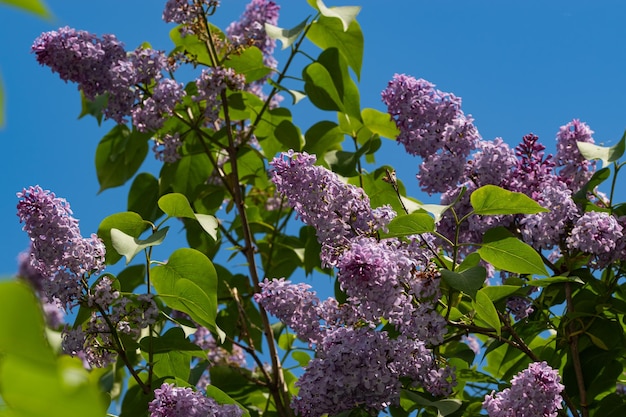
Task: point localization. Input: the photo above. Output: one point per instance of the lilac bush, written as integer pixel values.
(416, 321)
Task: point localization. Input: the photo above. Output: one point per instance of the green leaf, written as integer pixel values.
(506, 252)
(222, 398)
(498, 292)
(544, 282)
(62, 387)
(492, 200)
(172, 364)
(411, 224)
(444, 407)
(486, 311)
(143, 197)
(322, 137)
(347, 14)
(191, 45)
(176, 205)
(286, 36)
(596, 179)
(320, 88)
(173, 339)
(468, 281)
(187, 176)
(348, 92)
(36, 7)
(249, 63)
(379, 122)
(130, 246)
(209, 224)
(93, 107)
(119, 155)
(597, 341)
(328, 32)
(604, 153)
(128, 222)
(188, 282)
(301, 357)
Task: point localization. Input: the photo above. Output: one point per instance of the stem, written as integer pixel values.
(572, 337)
(278, 388)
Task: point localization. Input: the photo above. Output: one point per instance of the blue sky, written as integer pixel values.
(520, 67)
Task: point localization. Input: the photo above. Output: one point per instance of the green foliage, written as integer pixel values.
(490, 200)
(501, 249)
(35, 382)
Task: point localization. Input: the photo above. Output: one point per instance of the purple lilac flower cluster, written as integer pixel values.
(58, 251)
(211, 83)
(250, 29)
(433, 126)
(96, 344)
(171, 401)
(599, 234)
(534, 392)
(338, 211)
(102, 66)
(188, 13)
(574, 170)
(359, 367)
(52, 310)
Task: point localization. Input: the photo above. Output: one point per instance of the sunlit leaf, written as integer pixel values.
(606, 154)
(486, 311)
(506, 252)
(493, 200)
(286, 36)
(130, 246)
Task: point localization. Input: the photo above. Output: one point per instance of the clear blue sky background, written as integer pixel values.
(520, 67)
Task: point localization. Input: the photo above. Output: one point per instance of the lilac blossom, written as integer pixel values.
(58, 251)
(166, 147)
(250, 29)
(532, 170)
(575, 170)
(362, 367)
(534, 392)
(188, 13)
(338, 211)
(545, 230)
(491, 164)
(211, 83)
(440, 172)
(597, 233)
(520, 307)
(428, 119)
(53, 312)
(153, 111)
(294, 304)
(80, 57)
(171, 401)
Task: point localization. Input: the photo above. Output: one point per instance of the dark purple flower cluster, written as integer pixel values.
(152, 112)
(534, 392)
(433, 126)
(58, 251)
(338, 211)
(171, 401)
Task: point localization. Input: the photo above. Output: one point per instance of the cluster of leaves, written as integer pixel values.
(220, 191)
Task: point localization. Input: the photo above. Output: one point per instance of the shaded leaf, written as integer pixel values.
(468, 281)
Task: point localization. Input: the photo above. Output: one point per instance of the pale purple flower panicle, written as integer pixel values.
(188, 13)
(80, 57)
(575, 169)
(166, 147)
(544, 230)
(152, 113)
(520, 307)
(596, 233)
(171, 401)
(250, 29)
(534, 392)
(362, 368)
(492, 163)
(294, 304)
(211, 83)
(58, 251)
(428, 119)
(338, 211)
